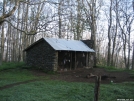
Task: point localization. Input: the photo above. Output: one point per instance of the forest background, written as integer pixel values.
(109, 23)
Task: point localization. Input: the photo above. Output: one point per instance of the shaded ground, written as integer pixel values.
(80, 75)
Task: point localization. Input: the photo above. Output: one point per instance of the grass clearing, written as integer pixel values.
(117, 91)
(119, 70)
(54, 90)
(12, 72)
(48, 90)
(11, 65)
(15, 75)
(111, 68)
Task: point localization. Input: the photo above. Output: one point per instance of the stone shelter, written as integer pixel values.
(60, 54)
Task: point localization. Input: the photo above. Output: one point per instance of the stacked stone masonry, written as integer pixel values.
(41, 55)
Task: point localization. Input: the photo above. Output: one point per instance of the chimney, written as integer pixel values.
(89, 43)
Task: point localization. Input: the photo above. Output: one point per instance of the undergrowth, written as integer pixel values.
(111, 68)
(11, 65)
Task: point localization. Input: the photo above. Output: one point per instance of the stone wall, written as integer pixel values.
(41, 55)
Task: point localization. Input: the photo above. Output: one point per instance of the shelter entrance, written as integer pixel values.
(69, 60)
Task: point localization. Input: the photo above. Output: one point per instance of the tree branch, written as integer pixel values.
(32, 32)
(10, 13)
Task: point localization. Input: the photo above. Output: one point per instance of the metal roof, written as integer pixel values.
(68, 45)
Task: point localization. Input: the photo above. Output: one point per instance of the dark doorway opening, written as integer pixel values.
(70, 60)
(64, 60)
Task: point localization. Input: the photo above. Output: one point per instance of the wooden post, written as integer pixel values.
(87, 59)
(75, 60)
(97, 87)
(55, 61)
(71, 60)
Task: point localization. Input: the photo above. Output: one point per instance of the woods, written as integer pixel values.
(108, 23)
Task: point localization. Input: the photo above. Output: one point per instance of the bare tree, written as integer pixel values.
(115, 32)
(92, 13)
(109, 34)
(78, 25)
(59, 15)
(125, 21)
(16, 42)
(133, 57)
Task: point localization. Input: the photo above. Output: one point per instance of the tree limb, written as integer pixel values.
(3, 17)
(32, 32)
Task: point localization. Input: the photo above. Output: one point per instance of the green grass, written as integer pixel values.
(15, 75)
(48, 90)
(11, 73)
(53, 90)
(111, 68)
(114, 69)
(117, 91)
(11, 65)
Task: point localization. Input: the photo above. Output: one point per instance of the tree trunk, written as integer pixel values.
(8, 39)
(2, 43)
(0, 51)
(94, 29)
(115, 35)
(124, 49)
(17, 44)
(0, 57)
(109, 36)
(2, 35)
(113, 50)
(133, 58)
(78, 21)
(128, 59)
(59, 15)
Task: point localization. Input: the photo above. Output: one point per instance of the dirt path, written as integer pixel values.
(16, 84)
(79, 76)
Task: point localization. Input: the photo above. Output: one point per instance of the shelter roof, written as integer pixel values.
(68, 45)
(65, 45)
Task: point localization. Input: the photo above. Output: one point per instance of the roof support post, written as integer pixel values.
(55, 65)
(70, 60)
(75, 60)
(87, 59)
